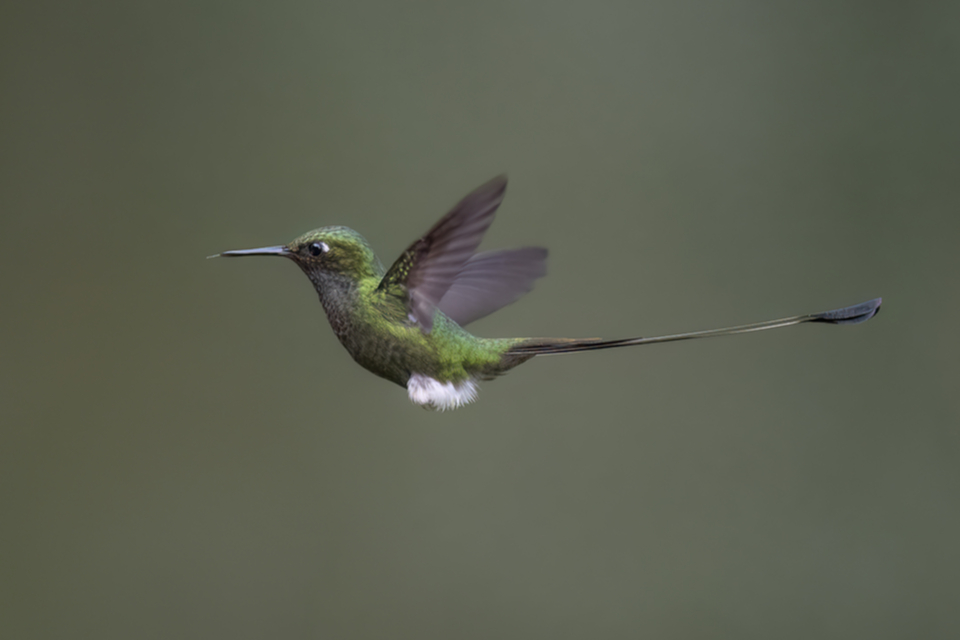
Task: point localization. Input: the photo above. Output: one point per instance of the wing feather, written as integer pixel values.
(492, 280)
(427, 269)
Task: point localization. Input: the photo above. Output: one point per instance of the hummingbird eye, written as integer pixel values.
(316, 248)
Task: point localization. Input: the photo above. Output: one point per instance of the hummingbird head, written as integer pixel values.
(323, 254)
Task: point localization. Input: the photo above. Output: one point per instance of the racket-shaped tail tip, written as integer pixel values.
(851, 315)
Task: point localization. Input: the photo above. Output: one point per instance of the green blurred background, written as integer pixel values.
(188, 452)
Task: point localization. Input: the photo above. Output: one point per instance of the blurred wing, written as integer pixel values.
(492, 280)
(426, 270)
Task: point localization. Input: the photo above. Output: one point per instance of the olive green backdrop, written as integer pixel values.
(187, 452)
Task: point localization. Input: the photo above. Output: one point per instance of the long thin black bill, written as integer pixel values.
(262, 251)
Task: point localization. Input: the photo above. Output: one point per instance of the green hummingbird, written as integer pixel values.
(405, 324)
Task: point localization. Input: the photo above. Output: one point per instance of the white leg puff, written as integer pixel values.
(433, 394)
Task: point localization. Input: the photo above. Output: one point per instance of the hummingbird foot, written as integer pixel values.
(433, 394)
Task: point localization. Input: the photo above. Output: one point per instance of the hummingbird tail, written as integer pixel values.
(547, 346)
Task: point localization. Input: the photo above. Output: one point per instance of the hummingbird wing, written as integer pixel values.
(492, 280)
(428, 268)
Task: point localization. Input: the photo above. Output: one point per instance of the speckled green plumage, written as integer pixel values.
(372, 321)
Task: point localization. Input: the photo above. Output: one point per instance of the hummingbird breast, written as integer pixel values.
(378, 333)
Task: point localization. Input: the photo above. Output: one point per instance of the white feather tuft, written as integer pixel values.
(433, 394)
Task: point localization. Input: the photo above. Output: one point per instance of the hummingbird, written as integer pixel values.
(406, 323)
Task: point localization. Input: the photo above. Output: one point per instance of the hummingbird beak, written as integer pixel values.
(262, 251)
